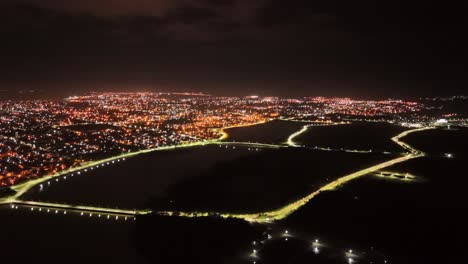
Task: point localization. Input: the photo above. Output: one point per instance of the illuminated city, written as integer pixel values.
(233, 132)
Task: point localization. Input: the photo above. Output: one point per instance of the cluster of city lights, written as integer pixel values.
(43, 137)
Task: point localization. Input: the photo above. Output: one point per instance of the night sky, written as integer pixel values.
(368, 49)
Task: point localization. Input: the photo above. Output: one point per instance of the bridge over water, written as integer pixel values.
(78, 208)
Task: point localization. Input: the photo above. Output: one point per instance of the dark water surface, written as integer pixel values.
(131, 183)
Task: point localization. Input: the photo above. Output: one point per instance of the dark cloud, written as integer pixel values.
(348, 47)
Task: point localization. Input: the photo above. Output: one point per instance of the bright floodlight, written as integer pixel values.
(442, 121)
(286, 232)
(316, 240)
(316, 250)
(350, 260)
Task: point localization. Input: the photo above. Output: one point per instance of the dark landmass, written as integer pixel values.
(357, 135)
(194, 240)
(274, 132)
(265, 181)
